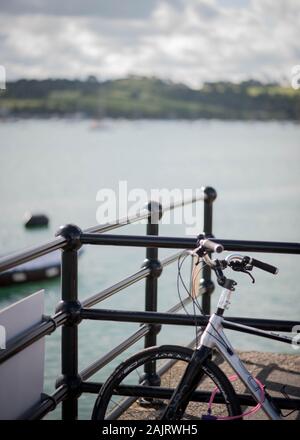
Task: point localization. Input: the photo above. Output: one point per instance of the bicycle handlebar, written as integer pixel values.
(211, 245)
(263, 266)
(244, 261)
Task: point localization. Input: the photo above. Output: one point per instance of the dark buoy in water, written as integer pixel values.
(36, 220)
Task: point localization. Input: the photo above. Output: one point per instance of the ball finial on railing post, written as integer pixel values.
(72, 234)
(156, 211)
(210, 193)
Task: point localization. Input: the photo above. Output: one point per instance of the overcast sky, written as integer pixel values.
(190, 41)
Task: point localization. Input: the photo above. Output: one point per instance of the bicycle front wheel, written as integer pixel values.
(129, 394)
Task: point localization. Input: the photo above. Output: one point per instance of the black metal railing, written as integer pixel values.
(70, 311)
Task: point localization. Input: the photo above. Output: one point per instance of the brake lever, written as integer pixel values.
(250, 275)
(239, 266)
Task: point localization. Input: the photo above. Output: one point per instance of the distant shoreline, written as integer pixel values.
(73, 118)
(139, 98)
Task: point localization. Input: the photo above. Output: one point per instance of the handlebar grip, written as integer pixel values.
(212, 246)
(264, 266)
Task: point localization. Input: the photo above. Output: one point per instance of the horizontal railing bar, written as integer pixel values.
(167, 365)
(141, 215)
(145, 391)
(197, 396)
(92, 387)
(180, 305)
(275, 247)
(47, 405)
(188, 243)
(20, 257)
(121, 408)
(17, 258)
(46, 327)
(169, 260)
(184, 202)
(106, 293)
(138, 241)
(32, 335)
(126, 282)
(182, 319)
(99, 364)
(126, 403)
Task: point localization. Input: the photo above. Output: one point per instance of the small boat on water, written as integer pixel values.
(42, 268)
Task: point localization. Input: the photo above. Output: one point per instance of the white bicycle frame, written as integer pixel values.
(214, 337)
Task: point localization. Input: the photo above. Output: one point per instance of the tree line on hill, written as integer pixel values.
(143, 97)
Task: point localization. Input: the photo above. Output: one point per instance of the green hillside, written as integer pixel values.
(140, 97)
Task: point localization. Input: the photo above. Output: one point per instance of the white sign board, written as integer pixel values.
(21, 376)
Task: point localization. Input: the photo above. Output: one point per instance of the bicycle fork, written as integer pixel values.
(187, 385)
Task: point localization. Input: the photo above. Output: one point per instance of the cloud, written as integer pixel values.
(190, 41)
(104, 8)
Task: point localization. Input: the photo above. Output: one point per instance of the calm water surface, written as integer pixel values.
(58, 166)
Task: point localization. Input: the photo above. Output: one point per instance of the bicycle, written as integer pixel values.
(159, 397)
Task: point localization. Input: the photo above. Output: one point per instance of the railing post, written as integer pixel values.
(206, 284)
(154, 264)
(70, 304)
